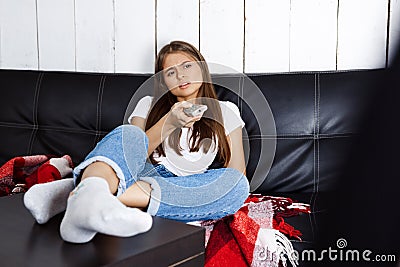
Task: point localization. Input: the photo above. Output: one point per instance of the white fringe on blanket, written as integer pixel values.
(272, 247)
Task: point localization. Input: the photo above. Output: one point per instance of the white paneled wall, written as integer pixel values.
(313, 31)
(177, 20)
(267, 36)
(222, 32)
(362, 34)
(394, 30)
(56, 29)
(18, 33)
(252, 36)
(134, 44)
(95, 35)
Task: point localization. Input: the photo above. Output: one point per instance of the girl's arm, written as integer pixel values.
(157, 133)
(237, 154)
(176, 118)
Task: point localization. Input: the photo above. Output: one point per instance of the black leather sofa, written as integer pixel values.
(317, 117)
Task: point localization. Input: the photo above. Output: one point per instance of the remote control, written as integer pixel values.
(195, 110)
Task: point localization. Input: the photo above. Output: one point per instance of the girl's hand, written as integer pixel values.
(178, 119)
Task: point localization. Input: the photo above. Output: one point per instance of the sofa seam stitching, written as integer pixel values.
(59, 129)
(35, 113)
(98, 109)
(279, 136)
(315, 140)
(239, 95)
(311, 137)
(318, 128)
(318, 110)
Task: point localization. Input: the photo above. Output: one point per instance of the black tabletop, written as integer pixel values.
(23, 242)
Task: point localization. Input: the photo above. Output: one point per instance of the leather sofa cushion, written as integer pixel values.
(316, 117)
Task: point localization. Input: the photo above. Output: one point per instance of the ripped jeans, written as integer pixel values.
(209, 195)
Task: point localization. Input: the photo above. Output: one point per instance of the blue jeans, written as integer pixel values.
(209, 195)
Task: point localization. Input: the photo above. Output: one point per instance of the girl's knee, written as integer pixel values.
(130, 129)
(130, 132)
(242, 190)
(242, 181)
(239, 193)
(233, 172)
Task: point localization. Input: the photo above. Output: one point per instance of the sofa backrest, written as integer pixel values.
(316, 115)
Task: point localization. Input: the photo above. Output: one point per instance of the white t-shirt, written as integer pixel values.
(190, 162)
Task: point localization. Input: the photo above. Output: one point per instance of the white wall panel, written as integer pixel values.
(177, 20)
(56, 34)
(267, 36)
(18, 43)
(394, 30)
(362, 34)
(222, 32)
(94, 35)
(313, 25)
(134, 36)
(263, 36)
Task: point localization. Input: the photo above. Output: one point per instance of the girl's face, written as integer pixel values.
(182, 75)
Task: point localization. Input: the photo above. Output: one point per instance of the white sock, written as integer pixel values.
(93, 209)
(48, 199)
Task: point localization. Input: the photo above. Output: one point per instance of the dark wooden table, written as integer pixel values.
(23, 242)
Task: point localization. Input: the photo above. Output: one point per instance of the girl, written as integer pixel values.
(195, 168)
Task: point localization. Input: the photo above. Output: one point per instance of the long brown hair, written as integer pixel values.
(205, 131)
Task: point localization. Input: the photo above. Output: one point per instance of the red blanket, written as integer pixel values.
(256, 235)
(20, 173)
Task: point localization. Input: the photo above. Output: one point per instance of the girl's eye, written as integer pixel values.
(187, 65)
(170, 73)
